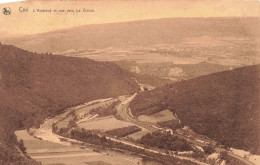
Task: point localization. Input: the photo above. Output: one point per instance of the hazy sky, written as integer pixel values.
(114, 11)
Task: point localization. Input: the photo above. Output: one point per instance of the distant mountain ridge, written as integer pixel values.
(136, 33)
(35, 86)
(223, 106)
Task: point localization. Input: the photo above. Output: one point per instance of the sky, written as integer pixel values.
(111, 11)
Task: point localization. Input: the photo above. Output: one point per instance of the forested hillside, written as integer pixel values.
(223, 106)
(35, 86)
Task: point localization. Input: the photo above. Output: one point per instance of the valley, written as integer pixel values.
(170, 91)
(56, 131)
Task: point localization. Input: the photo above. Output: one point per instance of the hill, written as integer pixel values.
(223, 106)
(170, 71)
(172, 48)
(35, 86)
(141, 34)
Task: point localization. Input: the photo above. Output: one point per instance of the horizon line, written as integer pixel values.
(107, 23)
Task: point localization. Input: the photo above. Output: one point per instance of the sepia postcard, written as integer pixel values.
(121, 82)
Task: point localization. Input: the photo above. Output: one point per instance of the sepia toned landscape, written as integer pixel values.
(162, 91)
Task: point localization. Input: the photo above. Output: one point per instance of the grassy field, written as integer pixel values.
(164, 115)
(139, 134)
(104, 123)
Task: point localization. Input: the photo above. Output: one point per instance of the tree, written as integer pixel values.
(21, 146)
(72, 123)
(208, 149)
(223, 155)
(75, 118)
(54, 127)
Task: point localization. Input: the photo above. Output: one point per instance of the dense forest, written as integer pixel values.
(124, 131)
(165, 141)
(223, 106)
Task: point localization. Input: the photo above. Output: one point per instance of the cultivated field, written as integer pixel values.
(104, 124)
(139, 134)
(161, 116)
(53, 153)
